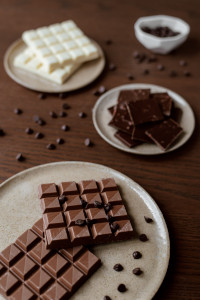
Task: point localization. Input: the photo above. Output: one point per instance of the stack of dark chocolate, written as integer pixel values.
(144, 117)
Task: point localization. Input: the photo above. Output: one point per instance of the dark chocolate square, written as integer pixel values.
(133, 95)
(121, 119)
(126, 139)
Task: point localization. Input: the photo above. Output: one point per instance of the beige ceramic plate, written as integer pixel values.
(87, 73)
(101, 118)
(19, 209)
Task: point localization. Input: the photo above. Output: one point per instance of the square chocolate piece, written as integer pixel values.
(121, 119)
(133, 95)
(126, 139)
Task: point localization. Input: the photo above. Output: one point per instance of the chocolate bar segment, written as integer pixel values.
(121, 119)
(126, 139)
(133, 95)
(34, 272)
(86, 219)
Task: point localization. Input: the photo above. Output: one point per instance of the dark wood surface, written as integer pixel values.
(171, 179)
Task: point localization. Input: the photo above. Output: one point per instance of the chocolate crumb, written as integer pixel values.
(2, 133)
(62, 114)
(173, 74)
(143, 237)
(42, 96)
(112, 67)
(65, 128)
(137, 255)
(107, 207)
(136, 54)
(187, 74)
(62, 199)
(96, 93)
(106, 298)
(146, 72)
(39, 135)
(160, 67)
(122, 288)
(114, 227)
(60, 141)
(29, 130)
(80, 222)
(20, 157)
(18, 111)
(41, 122)
(82, 115)
(87, 142)
(65, 106)
(118, 267)
(53, 114)
(97, 204)
(130, 77)
(152, 58)
(51, 146)
(148, 220)
(62, 95)
(137, 271)
(109, 42)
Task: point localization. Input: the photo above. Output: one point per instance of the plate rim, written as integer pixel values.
(132, 150)
(126, 178)
(22, 83)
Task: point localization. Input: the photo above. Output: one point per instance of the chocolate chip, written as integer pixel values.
(148, 220)
(51, 146)
(42, 96)
(83, 203)
(114, 227)
(87, 142)
(20, 157)
(82, 115)
(109, 42)
(41, 122)
(97, 204)
(136, 54)
(112, 67)
(106, 298)
(130, 77)
(80, 222)
(152, 59)
(118, 267)
(141, 58)
(102, 89)
(107, 207)
(36, 118)
(60, 141)
(62, 114)
(62, 95)
(187, 74)
(39, 135)
(29, 130)
(2, 133)
(96, 93)
(160, 67)
(137, 255)
(62, 199)
(17, 111)
(182, 63)
(146, 72)
(173, 74)
(65, 128)
(53, 114)
(143, 237)
(65, 106)
(122, 288)
(137, 271)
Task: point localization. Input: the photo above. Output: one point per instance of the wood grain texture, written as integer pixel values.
(172, 179)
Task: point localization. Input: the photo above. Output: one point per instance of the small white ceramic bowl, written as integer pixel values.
(157, 44)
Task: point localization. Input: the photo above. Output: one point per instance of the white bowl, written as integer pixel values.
(157, 44)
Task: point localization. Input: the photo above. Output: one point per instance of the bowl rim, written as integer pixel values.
(138, 29)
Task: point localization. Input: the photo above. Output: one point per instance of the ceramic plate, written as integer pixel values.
(101, 118)
(87, 73)
(19, 209)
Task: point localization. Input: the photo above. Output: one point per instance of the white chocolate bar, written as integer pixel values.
(59, 45)
(31, 63)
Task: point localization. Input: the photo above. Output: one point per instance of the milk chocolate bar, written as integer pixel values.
(84, 213)
(29, 271)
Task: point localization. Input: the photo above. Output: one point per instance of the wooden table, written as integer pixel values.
(171, 179)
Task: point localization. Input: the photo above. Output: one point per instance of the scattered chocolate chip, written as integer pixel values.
(2, 133)
(187, 74)
(136, 54)
(65, 106)
(109, 42)
(102, 89)
(87, 142)
(182, 63)
(173, 74)
(42, 96)
(130, 77)
(29, 130)
(148, 220)
(106, 298)
(112, 67)
(80, 222)
(137, 255)
(39, 135)
(62, 114)
(62, 95)
(36, 118)
(51, 146)
(146, 72)
(60, 141)
(83, 203)
(53, 114)
(17, 111)
(160, 67)
(82, 115)
(122, 288)
(62, 199)
(143, 237)
(41, 122)
(96, 93)
(118, 267)
(65, 128)
(137, 271)
(114, 227)
(97, 204)
(20, 157)
(152, 58)
(141, 58)
(107, 207)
